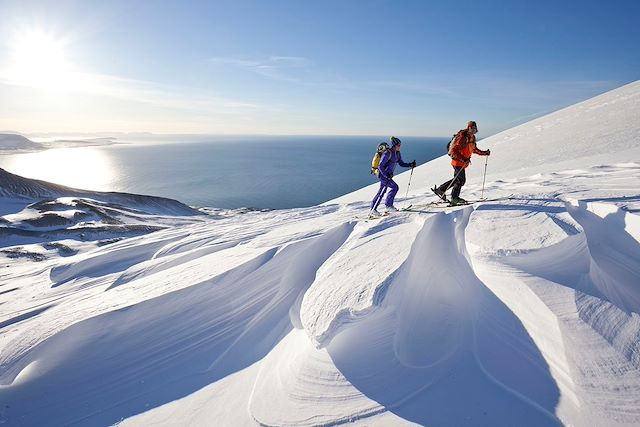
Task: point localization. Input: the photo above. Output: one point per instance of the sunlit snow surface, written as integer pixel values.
(520, 311)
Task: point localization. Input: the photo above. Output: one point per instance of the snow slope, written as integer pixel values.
(519, 311)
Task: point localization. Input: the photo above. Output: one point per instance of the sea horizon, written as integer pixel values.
(261, 172)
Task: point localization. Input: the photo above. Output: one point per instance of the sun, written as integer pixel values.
(37, 59)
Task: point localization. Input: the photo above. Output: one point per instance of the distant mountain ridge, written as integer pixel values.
(10, 141)
(15, 186)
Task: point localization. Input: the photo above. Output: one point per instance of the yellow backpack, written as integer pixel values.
(375, 162)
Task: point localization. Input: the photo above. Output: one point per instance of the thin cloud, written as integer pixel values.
(536, 89)
(150, 93)
(290, 69)
(422, 88)
(274, 67)
(267, 62)
(493, 87)
(172, 97)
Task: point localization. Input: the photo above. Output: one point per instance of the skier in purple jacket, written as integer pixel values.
(386, 168)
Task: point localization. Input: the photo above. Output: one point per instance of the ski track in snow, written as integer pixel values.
(523, 311)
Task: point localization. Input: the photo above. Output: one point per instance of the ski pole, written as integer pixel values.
(378, 199)
(485, 175)
(384, 191)
(409, 184)
(453, 181)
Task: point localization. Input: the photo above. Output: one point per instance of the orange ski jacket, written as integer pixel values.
(462, 147)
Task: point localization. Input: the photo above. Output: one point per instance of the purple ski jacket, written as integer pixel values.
(388, 163)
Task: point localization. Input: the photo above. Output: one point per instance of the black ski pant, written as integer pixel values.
(459, 178)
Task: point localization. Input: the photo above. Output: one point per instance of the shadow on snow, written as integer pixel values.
(443, 349)
(128, 361)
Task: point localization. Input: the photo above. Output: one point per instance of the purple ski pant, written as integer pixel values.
(384, 184)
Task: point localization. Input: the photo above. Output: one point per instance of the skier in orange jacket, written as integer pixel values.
(462, 146)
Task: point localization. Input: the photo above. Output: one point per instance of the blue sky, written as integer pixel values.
(306, 67)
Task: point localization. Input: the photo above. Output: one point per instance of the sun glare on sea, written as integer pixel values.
(37, 59)
(85, 168)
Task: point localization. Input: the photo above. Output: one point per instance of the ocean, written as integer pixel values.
(262, 172)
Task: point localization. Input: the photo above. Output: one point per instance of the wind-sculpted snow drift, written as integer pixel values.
(522, 311)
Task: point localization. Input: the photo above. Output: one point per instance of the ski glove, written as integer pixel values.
(413, 164)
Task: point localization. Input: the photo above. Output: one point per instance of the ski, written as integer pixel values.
(473, 202)
(442, 204)
(443, 197)
(425, 205)
(371, 217)
(439, 204)
(510, 196)
(382, 215)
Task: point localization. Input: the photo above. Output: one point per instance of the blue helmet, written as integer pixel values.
(395, 141)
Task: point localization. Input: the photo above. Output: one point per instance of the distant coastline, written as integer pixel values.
(16, 143)
(225, 172)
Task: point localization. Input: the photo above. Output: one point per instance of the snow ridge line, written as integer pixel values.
(347, 315)
(614, 269)
(587, 282)
(370, 291)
